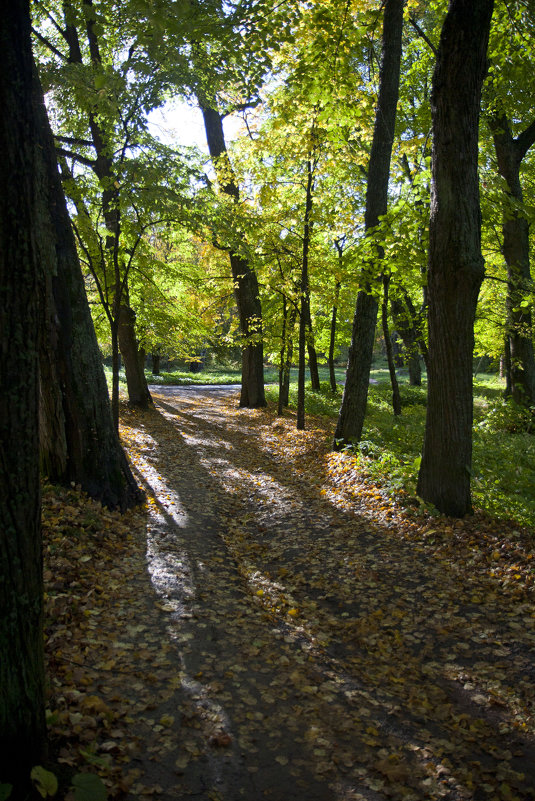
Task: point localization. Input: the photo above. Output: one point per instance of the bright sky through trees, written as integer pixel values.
(180, 123)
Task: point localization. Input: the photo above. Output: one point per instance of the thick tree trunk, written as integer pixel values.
(353, 409)
(78, 441)
(510, 153)
(23, 220)
(396, 397)
(138, 391)
(246, 290)
(456, 266)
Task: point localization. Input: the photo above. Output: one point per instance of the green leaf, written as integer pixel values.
(89, 787)
(45, 782)
(5, 791)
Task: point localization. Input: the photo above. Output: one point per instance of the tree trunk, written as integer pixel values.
(155, 355)
(396, 397)
(284, 395)
(456, 266)
(282, 361)
(304, 315)
(408, 326)
(353, 409)
(246, 290)
(510, 153)
(23, 220)
(138, 391)
(78, 442)
(332, 338)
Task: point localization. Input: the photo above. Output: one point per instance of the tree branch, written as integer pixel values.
(524, 140)
(72, 140)
(76, 156)
(421, 33)
(49, 45)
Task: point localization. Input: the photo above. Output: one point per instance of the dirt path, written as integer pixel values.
(319, 657)
(259, 634)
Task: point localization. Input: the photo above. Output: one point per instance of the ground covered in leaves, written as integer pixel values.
(272, 626)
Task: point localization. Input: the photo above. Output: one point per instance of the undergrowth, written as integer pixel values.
(503, 468)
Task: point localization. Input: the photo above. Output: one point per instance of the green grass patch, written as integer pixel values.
(503, 466)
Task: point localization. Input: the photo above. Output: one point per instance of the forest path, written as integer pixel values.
(315, 654)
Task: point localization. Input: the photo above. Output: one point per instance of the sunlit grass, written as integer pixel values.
(503, 467)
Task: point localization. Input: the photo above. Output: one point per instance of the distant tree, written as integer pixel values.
(23, 222)
(456, 265)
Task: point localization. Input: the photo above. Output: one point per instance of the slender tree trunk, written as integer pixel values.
(155, 355)
(284, 399)
(332, 337)
(456, 267)
(408, 325)
(23, 220)
(304, 316)
(510, 153)
(508, 391)
(301, 371)
(396, 397)
(246, 291)
(138, 391)
(283, 349)
(353, 409)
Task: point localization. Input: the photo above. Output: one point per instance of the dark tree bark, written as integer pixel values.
(104, 168)
(246, 290)
(286, 359)
(396, 397)
(79, 443)
(23, 220)
(156, 356)
(456, 266)
(304, 313)
(138, 391)
(353, 409)
(510, 153)
(332, 336)
(408, 324)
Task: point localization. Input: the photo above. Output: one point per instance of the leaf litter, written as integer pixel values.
(274, 625)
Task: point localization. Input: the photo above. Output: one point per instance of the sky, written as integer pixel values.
(179, 123)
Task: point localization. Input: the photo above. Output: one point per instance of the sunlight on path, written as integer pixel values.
(319, 657)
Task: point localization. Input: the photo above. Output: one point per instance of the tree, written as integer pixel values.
(22, 222)
(509, 117)
(456, 265)
(78, 441)
(246, 289)
(353, 408)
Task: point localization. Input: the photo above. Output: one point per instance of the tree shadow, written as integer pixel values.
(336, 658)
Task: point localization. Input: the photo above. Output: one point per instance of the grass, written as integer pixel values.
(503, 468)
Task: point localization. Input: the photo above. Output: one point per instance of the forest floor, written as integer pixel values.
(273, 626)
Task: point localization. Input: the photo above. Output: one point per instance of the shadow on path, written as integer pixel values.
(317, 657)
